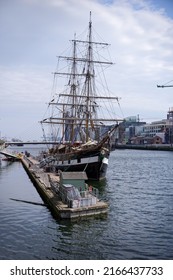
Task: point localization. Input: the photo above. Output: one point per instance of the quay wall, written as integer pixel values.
(153, 147)
(39, 186)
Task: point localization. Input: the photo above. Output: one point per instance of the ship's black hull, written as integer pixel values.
(94, 171)
(94, 166)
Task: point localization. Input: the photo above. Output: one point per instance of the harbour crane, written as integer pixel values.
(162, 86)
(166, 85)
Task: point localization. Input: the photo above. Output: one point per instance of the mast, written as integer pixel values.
(78, 105)
(88, 77)
(73, 89)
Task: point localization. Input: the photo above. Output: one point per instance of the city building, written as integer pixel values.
(130, 128)
(132, 131)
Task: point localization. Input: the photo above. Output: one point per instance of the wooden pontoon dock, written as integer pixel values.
(46, 184)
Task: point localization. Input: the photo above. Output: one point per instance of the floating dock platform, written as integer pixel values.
(9, 155)
(47, 183)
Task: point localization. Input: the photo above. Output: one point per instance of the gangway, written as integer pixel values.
(9, 155)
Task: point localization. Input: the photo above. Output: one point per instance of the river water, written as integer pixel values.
(139, 223)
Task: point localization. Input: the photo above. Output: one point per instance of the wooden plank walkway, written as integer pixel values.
(9, 154)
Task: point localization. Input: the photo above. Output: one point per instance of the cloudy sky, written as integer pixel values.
(34, 32)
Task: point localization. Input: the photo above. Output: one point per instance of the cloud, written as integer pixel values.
(33, 33)
(23, 85)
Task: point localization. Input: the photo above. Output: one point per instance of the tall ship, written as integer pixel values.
(81, 132)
